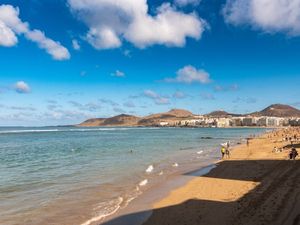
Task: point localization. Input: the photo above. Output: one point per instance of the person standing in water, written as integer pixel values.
(223, 150)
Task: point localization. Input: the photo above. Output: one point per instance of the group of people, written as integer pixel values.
(293, 153)
(225, 150)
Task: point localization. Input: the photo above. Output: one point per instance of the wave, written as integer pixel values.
(74, 130)
(143, 182)
(106, 209)
(175, 164)
(150, 169)
(27, 131)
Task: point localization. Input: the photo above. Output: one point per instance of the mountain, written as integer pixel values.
(129, 120)
(174, 114)
(278, 110)
(218, 113)
(120, 120)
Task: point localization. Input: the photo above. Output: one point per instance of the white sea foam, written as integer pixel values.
(107, 209)
(143, 182)
(74, 130)
(150, 169)
(110, 129)
(27, 131)
(200, 152)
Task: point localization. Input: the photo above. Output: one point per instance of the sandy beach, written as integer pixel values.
(254, 186)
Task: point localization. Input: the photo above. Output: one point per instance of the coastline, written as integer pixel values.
(227, 193)
(141, 208)
(144, 204)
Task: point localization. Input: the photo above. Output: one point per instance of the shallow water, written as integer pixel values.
(68, 175)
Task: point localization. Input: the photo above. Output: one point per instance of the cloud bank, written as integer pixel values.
(158, 99)
(11, 26)
(111, 22)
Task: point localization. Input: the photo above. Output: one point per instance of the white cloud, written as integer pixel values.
(118, 73)
(207, 96)
(150, 94)
(219, 88)
(119, 110)
(158, 99)
(267, 15)
(190, 74)
(183, 3)
(90, 107)
(11, 26)
(22, 87)
(129, 104)
(53, 48)
(179, 94)
(162, 101)
(7, 36)
(110, 22)
(75, 44)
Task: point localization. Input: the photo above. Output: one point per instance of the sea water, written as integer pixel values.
(69, 175)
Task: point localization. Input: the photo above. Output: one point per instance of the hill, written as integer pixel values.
(278, 110)
(220, 113)
(129, 120)
(120, 120)
(169, 116)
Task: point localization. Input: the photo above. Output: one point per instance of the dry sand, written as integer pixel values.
(255, 186)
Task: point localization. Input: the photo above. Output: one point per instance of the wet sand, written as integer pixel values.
(255, 186)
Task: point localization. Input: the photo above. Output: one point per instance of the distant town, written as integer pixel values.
(276, 115)
(238, 121)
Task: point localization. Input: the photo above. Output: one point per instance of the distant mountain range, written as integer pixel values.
(130, 120)
(276, 110)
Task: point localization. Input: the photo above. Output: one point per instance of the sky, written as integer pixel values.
(64, 61)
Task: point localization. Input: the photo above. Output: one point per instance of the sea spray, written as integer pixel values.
(143, 182)
(149, 169)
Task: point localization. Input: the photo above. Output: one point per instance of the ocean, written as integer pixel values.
(70, 175)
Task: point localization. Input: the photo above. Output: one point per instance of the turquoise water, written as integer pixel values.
(69, 175)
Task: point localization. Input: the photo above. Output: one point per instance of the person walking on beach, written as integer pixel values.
(227, 152)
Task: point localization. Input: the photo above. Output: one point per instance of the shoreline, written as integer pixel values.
(201, 190)
(141, 208)
(144, 203)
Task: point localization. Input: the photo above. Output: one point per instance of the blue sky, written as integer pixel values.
(63, 61)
